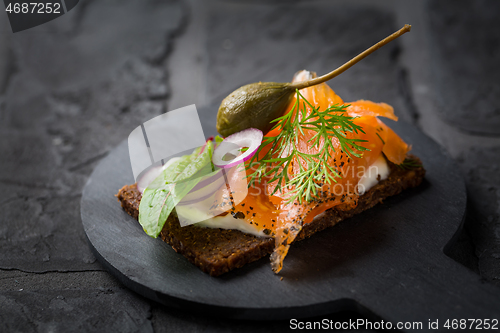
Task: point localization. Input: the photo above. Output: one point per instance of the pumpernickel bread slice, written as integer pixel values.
(217, 251)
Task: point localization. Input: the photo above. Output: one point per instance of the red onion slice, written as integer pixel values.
(251, 138)
(208, 179)
(207, 186)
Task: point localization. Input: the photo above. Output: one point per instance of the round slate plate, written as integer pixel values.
(388, 261)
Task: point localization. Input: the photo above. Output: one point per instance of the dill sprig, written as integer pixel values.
(331, 123)
(409, 164)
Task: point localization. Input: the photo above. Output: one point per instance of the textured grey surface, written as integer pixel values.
(71, 89)
(483, 182)
(84, 310)
(83, 82)
(466, 49)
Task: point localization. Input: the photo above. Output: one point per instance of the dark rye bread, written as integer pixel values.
(217, 251)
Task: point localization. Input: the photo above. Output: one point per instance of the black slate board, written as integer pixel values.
(388, 261)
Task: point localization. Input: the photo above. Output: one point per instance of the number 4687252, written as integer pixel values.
(34, 8)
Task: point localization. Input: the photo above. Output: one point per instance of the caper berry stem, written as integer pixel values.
(256, 105)
(347, 65)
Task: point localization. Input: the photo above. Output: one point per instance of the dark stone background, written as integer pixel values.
(72, 89)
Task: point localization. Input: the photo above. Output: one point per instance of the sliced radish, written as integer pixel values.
(251, 138)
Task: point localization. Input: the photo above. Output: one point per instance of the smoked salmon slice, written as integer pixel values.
(274, 215)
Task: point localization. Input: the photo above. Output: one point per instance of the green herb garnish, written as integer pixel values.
(409, 164)
(330, 123)
(218, 139)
